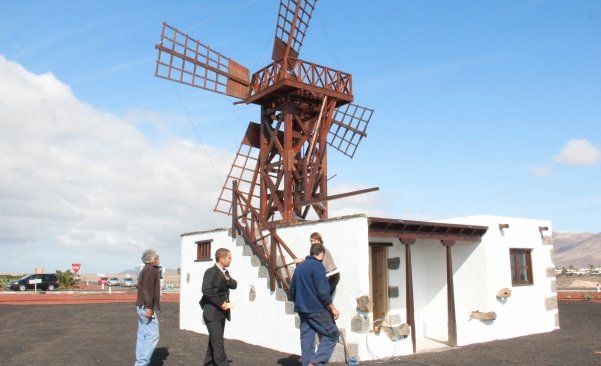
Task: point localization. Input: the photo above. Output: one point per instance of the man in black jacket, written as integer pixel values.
(215, 302)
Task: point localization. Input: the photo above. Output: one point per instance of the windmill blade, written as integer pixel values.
(190, 62)
(348, 128)
(291, 26)
(244, 171)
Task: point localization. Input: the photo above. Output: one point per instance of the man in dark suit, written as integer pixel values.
(215, 302)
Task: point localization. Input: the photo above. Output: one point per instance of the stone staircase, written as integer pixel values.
(283, 296)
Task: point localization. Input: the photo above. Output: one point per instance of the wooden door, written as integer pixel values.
(379, 281)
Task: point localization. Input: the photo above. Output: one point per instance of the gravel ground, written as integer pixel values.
(104, 334)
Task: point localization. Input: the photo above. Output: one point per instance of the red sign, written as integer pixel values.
(75, 267)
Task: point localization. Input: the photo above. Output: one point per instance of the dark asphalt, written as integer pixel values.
(104, 334)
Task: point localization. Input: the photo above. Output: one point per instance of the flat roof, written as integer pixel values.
(383, 227)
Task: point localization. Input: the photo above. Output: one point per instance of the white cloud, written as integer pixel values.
(579, 152)
(78, 184)
(540, 170)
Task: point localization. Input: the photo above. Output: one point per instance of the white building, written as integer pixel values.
(432, 276)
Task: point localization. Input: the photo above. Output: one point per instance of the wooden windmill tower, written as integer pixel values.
(279, 174)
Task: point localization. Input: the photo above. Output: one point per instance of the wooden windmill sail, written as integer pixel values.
(279, 174)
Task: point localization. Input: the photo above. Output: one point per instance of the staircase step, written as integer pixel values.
(263, 272)
(240, 240)
(247, 251)
(289, 307)
(338, 354)
(255, 261)
(281, 294)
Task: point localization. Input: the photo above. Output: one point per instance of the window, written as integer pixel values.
(521, 267)
(203, 250)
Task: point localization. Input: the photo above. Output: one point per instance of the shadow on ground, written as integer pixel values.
(159, 356)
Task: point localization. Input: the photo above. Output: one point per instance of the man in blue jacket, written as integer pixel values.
(313, 303)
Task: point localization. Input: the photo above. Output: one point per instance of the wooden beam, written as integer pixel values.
(336, 196)
(452, 321)
(391, 233)
(409, 303)
(234, 208)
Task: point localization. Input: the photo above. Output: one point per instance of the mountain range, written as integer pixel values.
(577, 249)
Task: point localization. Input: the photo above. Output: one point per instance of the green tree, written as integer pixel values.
(66, 279)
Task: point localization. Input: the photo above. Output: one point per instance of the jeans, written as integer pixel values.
(323, 324)
(148, 337)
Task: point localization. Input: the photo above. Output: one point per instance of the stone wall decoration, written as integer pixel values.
(491, 315)
(359, 324)
(393, 292)
(394, 263)
(394, 319)
(393, 333)
(252, 294)
(504, 293)
(364, 304)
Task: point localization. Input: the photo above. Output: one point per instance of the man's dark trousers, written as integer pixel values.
(321, 323)
(215, 291)
(215, 351)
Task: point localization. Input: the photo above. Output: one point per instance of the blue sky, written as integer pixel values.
(480, 107)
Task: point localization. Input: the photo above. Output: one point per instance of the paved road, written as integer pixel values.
(104, 334)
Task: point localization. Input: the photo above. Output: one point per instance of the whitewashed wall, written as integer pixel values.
(480, 270)
(264, 321)
(529, 309)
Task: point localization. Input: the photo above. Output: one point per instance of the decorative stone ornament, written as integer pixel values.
(359, 324)
(393, 292)
(252, 294)
(504, 293)
(364, 304)
(491, 315)
(394, 263)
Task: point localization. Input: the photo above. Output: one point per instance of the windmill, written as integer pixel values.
(279, 173)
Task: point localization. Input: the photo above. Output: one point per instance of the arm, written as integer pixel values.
(210, 288)
(321, 285)
(147, 289)
(232, 284)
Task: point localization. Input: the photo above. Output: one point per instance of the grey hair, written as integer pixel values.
(149, 255)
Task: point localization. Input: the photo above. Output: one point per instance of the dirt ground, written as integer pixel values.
(104, 334)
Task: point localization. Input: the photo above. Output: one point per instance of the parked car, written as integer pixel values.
(113, 281)
(103, 280)
(128, 282)
(48, 281)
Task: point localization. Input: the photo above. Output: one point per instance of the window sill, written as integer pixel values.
(521, 284)
(204, 260)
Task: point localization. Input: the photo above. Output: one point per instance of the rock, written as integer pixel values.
(364, 304)
(252, 294)
(491, 315)
(504, 293)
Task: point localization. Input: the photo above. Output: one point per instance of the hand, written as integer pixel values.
(335, 313)
(149, 313)
(225, 306)
(298, 260)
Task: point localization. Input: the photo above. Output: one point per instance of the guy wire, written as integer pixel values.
(204, 146)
